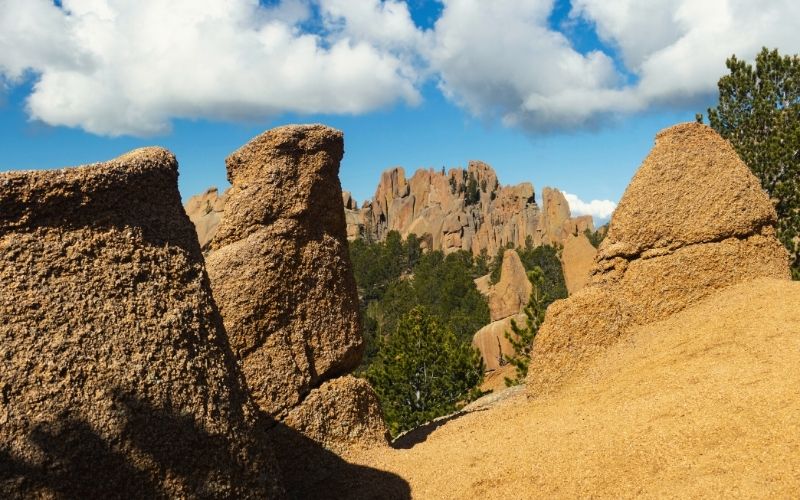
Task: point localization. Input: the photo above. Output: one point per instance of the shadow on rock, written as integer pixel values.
(73, 461)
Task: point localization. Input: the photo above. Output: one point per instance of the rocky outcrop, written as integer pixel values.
(492, 343)
(693, 220)
(507, 299)
(205, 211)
(341, 414)
(117, 377)
(281, 276)
(509, 295)
(577, 261)
(460, 210)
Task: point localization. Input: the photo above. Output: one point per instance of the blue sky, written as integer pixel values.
(564, 94)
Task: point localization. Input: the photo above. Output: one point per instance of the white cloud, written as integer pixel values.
(499, 58)
(599, 209)
(130, 67)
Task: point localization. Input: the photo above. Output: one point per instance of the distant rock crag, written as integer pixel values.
(117, 379)
(460, 210)
(507, 299)
(693, 220)
(281, 276)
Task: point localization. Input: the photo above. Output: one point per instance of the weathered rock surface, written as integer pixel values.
(281, 276)
(692, 221)
(577, 261)
(492, 343)
(341, 414)
(205, 211)
(117, 377)
(509, 295)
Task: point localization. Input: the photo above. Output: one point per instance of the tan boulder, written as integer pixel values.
(348, 201)
(511, 293)
(577, 261)
(492, 342)
(205, 210)
(692, 221)
(341, 414)
(281, 275)
(117, 378)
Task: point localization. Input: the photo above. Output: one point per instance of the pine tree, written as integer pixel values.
(759, 113)
(423, 371)
(521, 339)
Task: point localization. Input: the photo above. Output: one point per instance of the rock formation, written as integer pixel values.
(280, 273)
(461, 210)
(693, 220)
(510, 294)
(205, 211)
(577, 253)
(441, 208)
(507, 298)
(117, 377)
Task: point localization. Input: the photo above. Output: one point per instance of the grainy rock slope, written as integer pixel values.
(703, 404)
(693, 220)
(281, 276)
(117, 378)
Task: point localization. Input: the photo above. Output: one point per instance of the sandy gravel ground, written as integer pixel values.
(703, 404)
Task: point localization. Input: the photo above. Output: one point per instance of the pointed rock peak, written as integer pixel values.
(691, 188)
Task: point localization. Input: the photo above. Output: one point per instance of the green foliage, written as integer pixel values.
(759, 113)
(546, 258)
(445, 286)
(423, 371)
(395, 276)
(496, 266)
(521, 338)
(472, 195)
(596, 237)
(482, 263)
(453, 185)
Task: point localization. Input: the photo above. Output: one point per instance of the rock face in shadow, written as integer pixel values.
(281, 276)
(693, 220)
(117, 378)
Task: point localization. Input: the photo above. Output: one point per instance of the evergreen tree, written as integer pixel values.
(521, 338)
(546, 259)
(472, 195)
(759, 113)
(423, 371)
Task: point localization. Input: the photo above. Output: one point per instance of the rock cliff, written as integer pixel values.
(117, 377)
(463, 209)
(693, 220)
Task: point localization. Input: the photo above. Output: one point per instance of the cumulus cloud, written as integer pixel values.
(129, 67)
(599, 209)
(503, 57)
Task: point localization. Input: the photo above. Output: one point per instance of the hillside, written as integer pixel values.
(704, 403)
